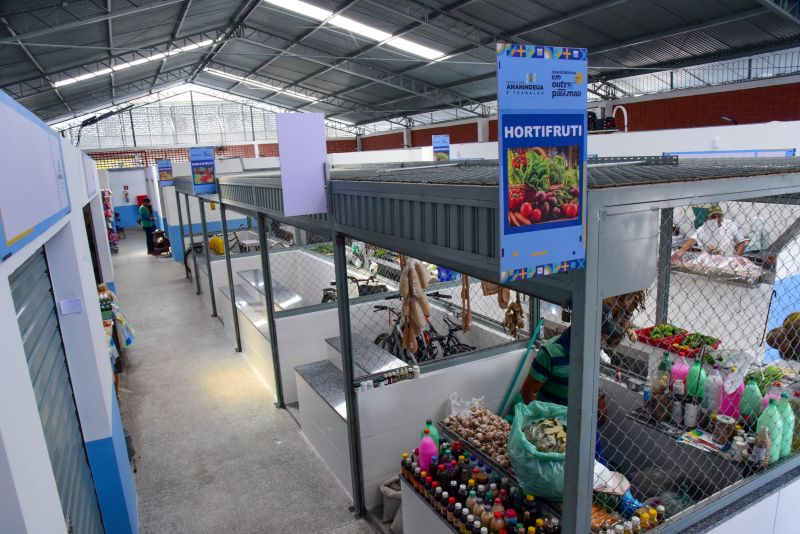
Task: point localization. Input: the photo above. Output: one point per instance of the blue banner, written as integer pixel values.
(441, 147)
(201, 161)
(165, 172)
(542, 106)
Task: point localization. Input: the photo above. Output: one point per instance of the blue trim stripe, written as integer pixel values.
(113, 478)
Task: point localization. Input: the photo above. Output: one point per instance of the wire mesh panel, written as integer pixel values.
(699, 384)
(405, 312)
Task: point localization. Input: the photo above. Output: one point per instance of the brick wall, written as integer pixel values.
(268, 150)
(761, 104)
(459, 133)
(382, 142)
(136, 158)
(341, 145)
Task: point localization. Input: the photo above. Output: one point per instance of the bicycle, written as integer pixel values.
(451, 345)
(392, 341)
(365, 288)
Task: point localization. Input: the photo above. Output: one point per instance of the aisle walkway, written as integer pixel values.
(213, 453)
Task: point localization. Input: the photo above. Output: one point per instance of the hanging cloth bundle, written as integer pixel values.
(466, 306)
(515, 317)
(416, 309)
(503, 297)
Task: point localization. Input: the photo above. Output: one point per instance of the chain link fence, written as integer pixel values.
(392, 329)
(699, 384)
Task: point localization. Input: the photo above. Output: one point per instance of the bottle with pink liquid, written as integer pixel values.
(679, 372)
(731, 394)
(427, 448)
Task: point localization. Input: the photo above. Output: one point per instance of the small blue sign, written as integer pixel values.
(165, 172)
(201, 160)
(441, 147)
(542, 143)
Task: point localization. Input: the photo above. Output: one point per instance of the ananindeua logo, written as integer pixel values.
(527, 87)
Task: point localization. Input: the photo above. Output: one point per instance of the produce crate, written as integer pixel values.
(692, 352)
(665, 343)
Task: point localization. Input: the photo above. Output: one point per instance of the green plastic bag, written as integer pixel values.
(538, 473)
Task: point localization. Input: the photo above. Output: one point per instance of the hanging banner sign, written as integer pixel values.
(303, 155)
(542, 143)
(201, 160)
(165, 172)
(441, 147)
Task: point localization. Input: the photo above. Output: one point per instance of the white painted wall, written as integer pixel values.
(775, 514)
(783, 135)
(135, 179)
(29, 500)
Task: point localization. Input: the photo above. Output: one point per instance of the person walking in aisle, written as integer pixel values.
(148, 224)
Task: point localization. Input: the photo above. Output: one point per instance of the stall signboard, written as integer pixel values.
(303, 155)
(441, 147)
(35, 194)
(542, 143)
(201, 160)
(165, 172)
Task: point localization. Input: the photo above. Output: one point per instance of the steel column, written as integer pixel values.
(234, 309)
(266, 275)
(534, 313)
(664, 266)
(211, 289)
(191, 247)
(353, 432)
(183, 235)
(584, 370)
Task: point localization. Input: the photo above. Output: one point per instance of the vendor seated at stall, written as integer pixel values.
(548, 378)
(716, 236)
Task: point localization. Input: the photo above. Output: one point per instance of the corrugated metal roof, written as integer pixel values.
(621, 35)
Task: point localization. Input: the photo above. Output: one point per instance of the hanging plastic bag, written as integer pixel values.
(538, 473)
(460, 406)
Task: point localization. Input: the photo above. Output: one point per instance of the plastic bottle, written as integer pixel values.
(794, 402)
(636, 525)
(679, 373)
(771, 418)
(711, 391)
(787, 415)
(696, 381)
(427, 448)
(486, 516)
(539, 525)
(660, 381)
(774, 392)
(731, 394)
(476, 527)
(750, 404)
(498, 506)
(497, 524)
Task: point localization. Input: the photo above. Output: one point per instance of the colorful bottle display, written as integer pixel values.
(449, 485)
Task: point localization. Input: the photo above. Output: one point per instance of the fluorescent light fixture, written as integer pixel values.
(262, 85)
(141, 61)
(370, 32)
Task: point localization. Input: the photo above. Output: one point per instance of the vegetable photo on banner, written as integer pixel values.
(542, 186)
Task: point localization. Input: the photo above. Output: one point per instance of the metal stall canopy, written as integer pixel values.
(447, 214)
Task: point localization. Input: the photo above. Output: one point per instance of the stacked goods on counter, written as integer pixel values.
(729, 412)
(470, 495)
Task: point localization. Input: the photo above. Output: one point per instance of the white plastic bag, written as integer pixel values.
(607, 481)
(459, 406)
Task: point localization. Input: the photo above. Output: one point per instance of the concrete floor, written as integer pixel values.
(212, 452)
